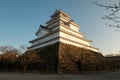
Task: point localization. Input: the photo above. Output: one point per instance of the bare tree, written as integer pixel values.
(113, 15)
(7, 49)
(9, 57)
(9, 52)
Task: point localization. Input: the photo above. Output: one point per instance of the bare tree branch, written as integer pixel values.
(113, 15)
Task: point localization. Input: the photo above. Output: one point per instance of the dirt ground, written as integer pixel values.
(33, 76)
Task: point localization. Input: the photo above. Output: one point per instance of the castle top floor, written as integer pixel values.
(59, 17)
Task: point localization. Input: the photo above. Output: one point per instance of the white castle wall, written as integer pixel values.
(70, 31)
(53, 24)
(46, 44)
(69, 37)
(46, 39)
(74, 28)
(78, 45)
(42, 33)
(56, 28)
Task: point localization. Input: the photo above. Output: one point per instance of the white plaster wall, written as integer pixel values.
(70, 31)
(56, 28)
(76, 44)
(69, 42)
(64, 19)
(67, 36)
(46, 44)
(74, 28)
(42, 33)
(53, 24)
(46, 38)
(96, 50)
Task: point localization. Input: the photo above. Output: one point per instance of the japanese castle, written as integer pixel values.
(60, 28)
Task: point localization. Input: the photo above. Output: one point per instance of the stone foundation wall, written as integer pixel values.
(64, 58)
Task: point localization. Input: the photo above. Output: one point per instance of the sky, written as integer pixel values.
(20, 19)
